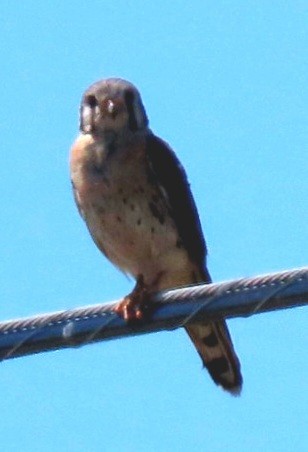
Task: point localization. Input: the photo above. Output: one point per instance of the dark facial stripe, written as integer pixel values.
(129, 101)
(88, 101)
(91, 100)
(211, 340)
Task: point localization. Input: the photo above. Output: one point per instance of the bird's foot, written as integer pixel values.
(136, 306)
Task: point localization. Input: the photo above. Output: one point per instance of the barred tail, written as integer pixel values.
(214, 345)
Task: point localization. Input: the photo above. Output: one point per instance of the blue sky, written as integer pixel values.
(225, 83)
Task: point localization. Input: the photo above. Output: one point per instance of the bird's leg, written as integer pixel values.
(135, 306)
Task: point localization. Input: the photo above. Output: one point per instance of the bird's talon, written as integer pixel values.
(133, 309)
(128, 310)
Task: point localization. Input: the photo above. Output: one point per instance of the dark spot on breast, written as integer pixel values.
(120, 191)
(98, 208)
(156, 213)
(96, 169)
(132, 207)
(152, 230)
(119, 219)
(141, 189)
(139, 221)
(124, 200)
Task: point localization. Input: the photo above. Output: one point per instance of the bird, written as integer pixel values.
(134, 195)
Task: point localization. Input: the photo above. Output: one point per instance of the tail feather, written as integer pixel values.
(214, 345)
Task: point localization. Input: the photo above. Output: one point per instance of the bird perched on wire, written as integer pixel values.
(134, 196)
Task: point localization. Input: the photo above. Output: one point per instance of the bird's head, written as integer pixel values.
(112, 105)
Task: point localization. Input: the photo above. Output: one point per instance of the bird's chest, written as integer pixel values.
(126, 212)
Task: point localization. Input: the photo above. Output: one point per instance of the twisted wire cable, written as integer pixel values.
(172, 309)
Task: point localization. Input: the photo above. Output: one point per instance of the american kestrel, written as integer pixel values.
(134, 196)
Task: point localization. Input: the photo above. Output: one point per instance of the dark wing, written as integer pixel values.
(171, 176)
